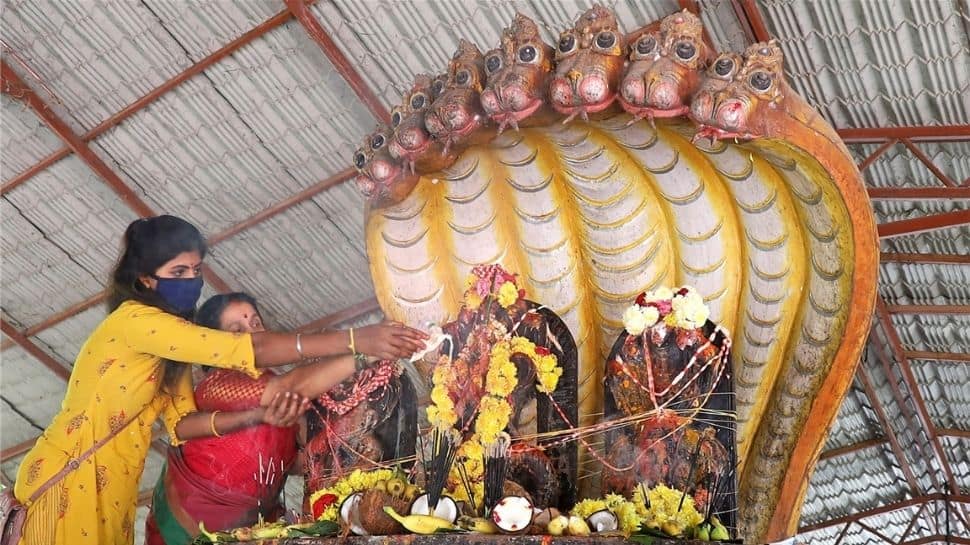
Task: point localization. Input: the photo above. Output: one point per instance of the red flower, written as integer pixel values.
(542, 351)
(683, 291)
(642, 299)
(322, 503)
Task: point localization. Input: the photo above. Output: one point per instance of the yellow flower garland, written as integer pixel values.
(357, 481)
(666, 512)
(441, 411)
(625, 511)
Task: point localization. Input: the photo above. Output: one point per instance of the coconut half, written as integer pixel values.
(371, 513)
(350, 513)
(603, 520)
(513, 514)
(446, 509)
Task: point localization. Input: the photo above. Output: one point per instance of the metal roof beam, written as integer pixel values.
(935, 133)
(887, 428)
(940, 175)
(875, 154)
(912, 522)
(923, 224)
(939, 538)
(18, 449)
(151, 96)
(882, 315)
(17, 89)
(842, 451)
(34, 350)
(339, 61)
(949, 432)
(918, 193)
(283, 205)
(896, 506)
(928, 309)
(942, 259)
(936, 356)
(749, 15)
(910, 419)
(876, 533)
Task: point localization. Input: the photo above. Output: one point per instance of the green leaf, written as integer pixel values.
(644, 539)
(318, 529)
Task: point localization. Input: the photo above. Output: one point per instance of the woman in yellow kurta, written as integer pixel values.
(132, 371)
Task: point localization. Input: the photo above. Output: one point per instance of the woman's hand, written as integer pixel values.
(388, 340)
(285, 409)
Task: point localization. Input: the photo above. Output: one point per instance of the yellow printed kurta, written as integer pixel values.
(117, 375)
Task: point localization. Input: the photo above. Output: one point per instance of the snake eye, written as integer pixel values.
(527, 54)
(418, 100)
(646, 45)
(723, 67)
(493, 63)
(567, 43)
(605, 40)
(359, 159)
(377, 142)
(760, 81)
(395, 119)
(462, 77)
(686, 50)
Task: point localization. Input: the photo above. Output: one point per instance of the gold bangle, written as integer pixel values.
(352, 346)
(212, 424)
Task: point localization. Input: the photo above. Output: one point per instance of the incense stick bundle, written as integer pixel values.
(445, 445)
(496, 462)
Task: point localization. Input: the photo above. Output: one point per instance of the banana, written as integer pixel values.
(557, 525)
(419, 524)
(478, 524)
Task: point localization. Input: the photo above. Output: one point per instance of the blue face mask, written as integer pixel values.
(180, 293)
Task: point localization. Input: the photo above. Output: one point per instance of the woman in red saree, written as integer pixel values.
(232, 480)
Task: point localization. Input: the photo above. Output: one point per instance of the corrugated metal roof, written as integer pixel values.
(869, 64)
(275, 117)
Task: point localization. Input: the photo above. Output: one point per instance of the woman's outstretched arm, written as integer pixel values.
(311, 380)
(281, 409)
(387, 340)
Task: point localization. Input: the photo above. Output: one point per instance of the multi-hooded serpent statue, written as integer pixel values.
(613, 164)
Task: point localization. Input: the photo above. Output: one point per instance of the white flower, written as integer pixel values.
(637, 318)
(689, 310)
(650, 315)
(660, 294)
(634, 321)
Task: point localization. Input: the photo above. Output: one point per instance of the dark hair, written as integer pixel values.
(210, 313)
(148, 244)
